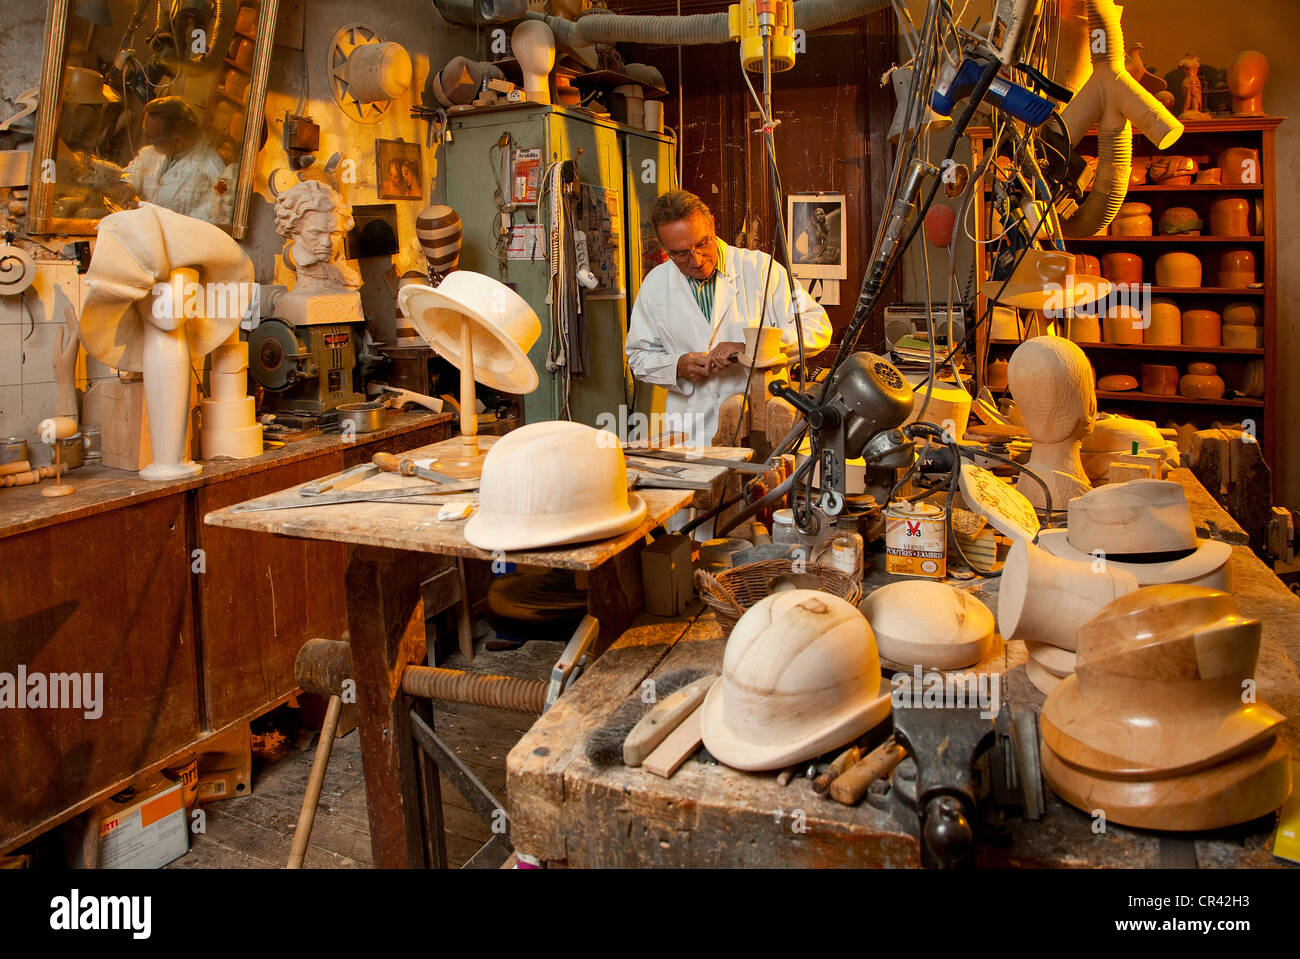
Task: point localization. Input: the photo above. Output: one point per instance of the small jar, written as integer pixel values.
(783, 531)
(846, 553)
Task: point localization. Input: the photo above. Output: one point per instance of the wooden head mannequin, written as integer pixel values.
(1246, 78)
(1052, 383)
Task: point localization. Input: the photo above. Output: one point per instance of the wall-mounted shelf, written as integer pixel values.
(1137, 396)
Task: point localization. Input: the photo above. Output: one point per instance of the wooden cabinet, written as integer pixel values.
(1240, 366)
(193, 628)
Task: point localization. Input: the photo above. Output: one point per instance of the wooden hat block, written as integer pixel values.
(1153, 727)
(485, 329)
(52, 430)
(800, 676)
(1052, 384)
(928, 624)
(1043, 598)
(1141, 516)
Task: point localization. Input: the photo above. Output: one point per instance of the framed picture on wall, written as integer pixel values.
(817, 233)
(397, 170)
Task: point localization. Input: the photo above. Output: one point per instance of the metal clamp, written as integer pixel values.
(569, 667)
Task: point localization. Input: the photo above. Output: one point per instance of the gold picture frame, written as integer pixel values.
(44, 177)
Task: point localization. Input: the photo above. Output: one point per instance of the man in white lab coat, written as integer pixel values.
(688, 322)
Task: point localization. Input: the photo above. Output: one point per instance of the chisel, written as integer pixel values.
(358, 496)
(404, 467)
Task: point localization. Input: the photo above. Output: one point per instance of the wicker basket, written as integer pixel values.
(733, 591)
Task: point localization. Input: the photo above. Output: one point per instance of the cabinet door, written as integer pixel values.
(651, 171)
(106, 596)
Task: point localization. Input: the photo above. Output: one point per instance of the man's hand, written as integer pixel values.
(693, 367)
(123, 194)
(724, 354)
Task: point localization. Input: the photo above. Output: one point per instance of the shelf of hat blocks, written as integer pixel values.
(1222, 235)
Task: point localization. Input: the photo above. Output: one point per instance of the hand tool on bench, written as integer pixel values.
(836, 769)
(681, 456)
(662, 719)
(852, 784)
(418, 495)
(406, 467)
(337, 481)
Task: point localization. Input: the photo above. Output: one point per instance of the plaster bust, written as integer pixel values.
(316, 219)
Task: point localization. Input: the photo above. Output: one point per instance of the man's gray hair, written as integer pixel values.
(677, 205)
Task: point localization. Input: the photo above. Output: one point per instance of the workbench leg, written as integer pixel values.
(614, 594)
(386, 623)
(435, 839)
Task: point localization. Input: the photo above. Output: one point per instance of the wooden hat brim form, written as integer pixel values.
(504, 326)
(1207, 566)
(1242, 789)
(928, 624)
(138, 249)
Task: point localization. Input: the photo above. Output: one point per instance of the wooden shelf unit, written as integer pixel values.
(1201, 140)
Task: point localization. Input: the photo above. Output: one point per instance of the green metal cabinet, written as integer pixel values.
(638, 164)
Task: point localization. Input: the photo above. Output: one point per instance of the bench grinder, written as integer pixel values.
(306, 368)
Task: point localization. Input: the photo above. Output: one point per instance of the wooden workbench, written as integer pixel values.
(193, 628)
(392, 546)
(565, 809)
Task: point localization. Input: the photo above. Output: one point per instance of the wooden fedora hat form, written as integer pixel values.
(1208, 565)
(1239, 790)
(800, 676)
(1140, 516)
(550, 484)
(928, 624)
(1158, 686)
(1046, 279)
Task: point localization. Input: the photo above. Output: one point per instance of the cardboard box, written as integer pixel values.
(147, 831)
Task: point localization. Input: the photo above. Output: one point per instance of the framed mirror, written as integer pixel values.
(150, 100)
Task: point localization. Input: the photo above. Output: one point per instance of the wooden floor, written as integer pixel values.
(255, 831)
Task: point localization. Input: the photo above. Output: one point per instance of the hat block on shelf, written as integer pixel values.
(228, 418)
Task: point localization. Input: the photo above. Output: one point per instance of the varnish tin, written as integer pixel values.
(916, 540)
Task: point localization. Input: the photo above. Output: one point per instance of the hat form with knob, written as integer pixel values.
(800, 676)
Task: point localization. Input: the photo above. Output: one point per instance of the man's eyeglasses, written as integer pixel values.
(699, 249)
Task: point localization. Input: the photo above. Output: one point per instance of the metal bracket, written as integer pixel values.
(569, 667)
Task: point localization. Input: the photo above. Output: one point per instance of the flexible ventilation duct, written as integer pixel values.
(1111, 98)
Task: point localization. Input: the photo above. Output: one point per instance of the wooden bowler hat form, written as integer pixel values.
(1046, 279)
(504, 326)
(1153, 726)
(800, 676)
(928, 624)
(1140, 516)
(550, 484)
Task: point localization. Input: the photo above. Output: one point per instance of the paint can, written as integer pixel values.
(916, 540)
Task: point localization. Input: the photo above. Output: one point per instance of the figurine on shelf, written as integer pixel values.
(1246, 78)
(315, 219)
(1145, 78)
(1193, 97)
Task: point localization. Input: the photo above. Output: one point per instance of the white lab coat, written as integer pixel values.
(667, 322)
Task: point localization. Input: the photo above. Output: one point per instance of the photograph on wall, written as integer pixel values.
(816, 228)
(397, 170)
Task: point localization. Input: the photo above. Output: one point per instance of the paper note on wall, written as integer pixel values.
(526, 243)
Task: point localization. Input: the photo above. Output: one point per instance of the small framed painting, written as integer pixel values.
(817, 233)
(397, 170)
